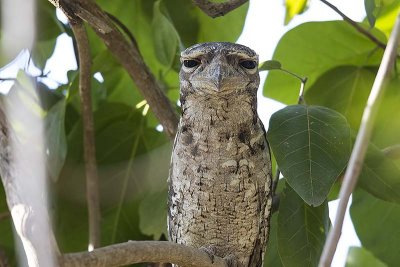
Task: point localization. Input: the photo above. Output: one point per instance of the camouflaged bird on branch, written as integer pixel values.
(220, 177)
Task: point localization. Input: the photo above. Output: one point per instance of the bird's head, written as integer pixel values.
(219, 69)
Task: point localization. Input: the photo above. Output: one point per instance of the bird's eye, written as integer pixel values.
(248, 64)
(190, 63)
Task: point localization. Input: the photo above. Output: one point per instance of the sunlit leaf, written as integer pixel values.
(311, 145)
(377, 226)
(301, 230)
(301, 53)
(360, 257)
(387, 11)
(293, 8)
(270, 65)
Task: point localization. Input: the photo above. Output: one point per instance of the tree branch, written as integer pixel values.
(92, 179)
(128, 55)
(141, 251)
(355, 25)
(218, 9)
(361, 143)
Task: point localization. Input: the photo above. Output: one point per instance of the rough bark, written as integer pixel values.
(214, 10)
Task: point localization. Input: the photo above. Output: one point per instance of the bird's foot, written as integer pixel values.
(211, 250)
(231, 261)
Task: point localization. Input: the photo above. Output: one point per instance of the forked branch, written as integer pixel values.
(128, 55)
(92, 179)
(218, 9)
(361, 143)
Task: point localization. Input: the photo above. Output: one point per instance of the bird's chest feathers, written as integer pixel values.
(219, 143)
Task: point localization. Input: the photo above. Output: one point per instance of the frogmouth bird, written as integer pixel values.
(220, 175)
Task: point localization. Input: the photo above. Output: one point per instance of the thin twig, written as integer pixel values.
(301, 100)
(355, 25)
(142, 251)
(129, 57)
(361, 143)
(92, 179)
(218, 9)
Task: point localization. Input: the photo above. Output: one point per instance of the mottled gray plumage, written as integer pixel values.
(220, 176)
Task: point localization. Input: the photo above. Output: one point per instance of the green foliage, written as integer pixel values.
(360, 257)
(302, 230)
(311, 142)
(300, 52)
(311, 145)
(293, 8)
(376, 223)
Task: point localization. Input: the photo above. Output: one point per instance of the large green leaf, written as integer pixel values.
(118, 129)
(360, 257)
(344, 89)
(380, 175)
(377, 226)
(302, 230)
(311, 145)
(300, 52)
(165, 37)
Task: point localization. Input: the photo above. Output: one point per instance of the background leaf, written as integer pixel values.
(293, 8)
(344, 89)
(311, 145)
(369, 9)
(360, 257)
(165, 37)
(153, 216)
(338, 44)
(301, 230)
(377, 226)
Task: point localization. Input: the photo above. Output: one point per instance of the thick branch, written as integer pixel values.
(355, 25)
(361, 144)
(218, 9)
(92, 179)
(141, 251)
(128, 55)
